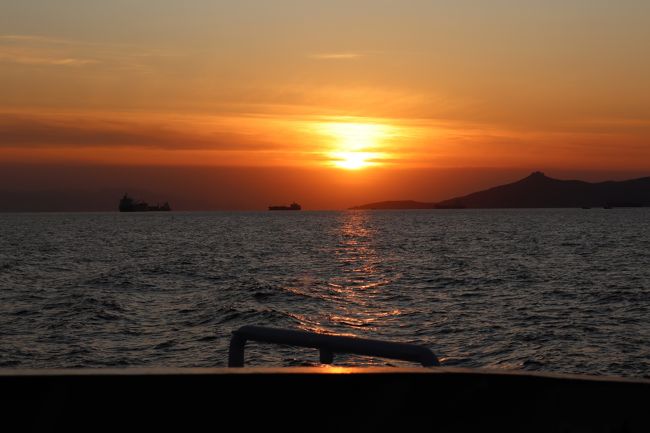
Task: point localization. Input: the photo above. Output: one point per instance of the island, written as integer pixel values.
(540, 191)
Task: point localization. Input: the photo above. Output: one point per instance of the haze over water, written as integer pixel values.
(564, 290)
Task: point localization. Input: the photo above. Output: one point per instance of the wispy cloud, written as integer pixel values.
(29, 58)
(41, 40)
(336, 56)
(110, 130)
(34, 39)
(38, 50)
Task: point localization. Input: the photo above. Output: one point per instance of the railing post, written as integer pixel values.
(236, 352)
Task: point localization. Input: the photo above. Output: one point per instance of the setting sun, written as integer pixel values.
(352, 160)
(355, 145)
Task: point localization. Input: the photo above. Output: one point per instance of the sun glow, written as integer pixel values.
(355, 146)
(352, 160)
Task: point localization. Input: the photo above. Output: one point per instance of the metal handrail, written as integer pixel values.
(328, 345)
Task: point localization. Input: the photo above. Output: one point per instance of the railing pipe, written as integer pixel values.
(328, 345)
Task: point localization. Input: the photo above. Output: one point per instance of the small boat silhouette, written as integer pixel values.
(292, 206)
(128, 204)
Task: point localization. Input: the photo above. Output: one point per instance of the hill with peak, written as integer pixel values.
(540, 191)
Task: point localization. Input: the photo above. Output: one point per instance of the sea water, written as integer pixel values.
(563, 290)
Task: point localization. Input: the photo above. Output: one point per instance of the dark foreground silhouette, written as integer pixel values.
(435, 399)
(541, 191)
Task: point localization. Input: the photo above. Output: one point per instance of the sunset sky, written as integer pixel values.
(238, 104)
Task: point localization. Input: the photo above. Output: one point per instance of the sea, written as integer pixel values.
(552, 290)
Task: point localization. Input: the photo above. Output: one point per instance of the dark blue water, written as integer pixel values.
(551, 290)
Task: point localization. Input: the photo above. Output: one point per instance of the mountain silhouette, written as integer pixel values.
(539, 191)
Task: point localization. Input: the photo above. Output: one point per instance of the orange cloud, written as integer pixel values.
(306, 140)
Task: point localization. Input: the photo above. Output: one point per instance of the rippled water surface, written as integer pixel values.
(553, 290)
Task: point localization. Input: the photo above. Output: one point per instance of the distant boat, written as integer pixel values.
(293, 206)
(128, 204)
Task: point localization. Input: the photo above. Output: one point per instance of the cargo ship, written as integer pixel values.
(292, 206)
(128, 204)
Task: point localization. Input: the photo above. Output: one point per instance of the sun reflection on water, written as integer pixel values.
(353, 294)
(361, 280)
